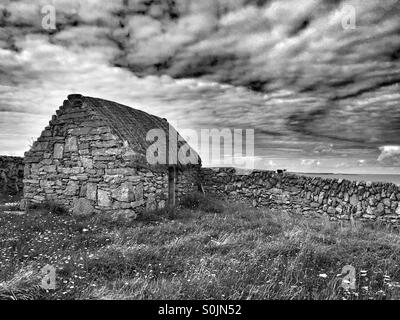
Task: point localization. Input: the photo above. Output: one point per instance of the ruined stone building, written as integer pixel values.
(94, 157)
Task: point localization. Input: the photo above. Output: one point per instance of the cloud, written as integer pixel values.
(361, 162)
(390, 155)
(323, 149)
(285, 68)
(310, 162)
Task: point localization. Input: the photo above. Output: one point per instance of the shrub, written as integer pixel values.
(202, 202)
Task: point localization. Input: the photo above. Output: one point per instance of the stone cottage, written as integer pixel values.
(100, 156)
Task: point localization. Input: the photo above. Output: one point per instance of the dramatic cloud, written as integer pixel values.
(310, 88)
(390, 155)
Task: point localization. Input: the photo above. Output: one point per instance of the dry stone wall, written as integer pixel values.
(307, 195)
(11, 175)
(79, 163)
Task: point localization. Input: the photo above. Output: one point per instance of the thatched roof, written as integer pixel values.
(131, 125)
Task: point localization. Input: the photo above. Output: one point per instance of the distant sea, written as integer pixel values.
(393, 178)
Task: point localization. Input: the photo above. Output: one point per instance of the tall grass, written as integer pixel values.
(232, 252)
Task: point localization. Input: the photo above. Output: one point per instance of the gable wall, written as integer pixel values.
(79, 163)
(77, 157)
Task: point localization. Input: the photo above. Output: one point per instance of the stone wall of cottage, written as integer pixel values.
(79, 163)
(11, 175)
(188, 182)
(307, 195)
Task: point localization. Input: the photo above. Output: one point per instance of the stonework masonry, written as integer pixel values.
(91, 158)
(80, 163)
(303, 195)
(11, 175)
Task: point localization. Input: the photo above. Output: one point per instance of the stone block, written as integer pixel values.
(58, 151)
(354, 200)
(72, 171)
(113, 179)
(49, 169)
(87, 162)
(104, 198)
(40, 146)
(105, 144)
(38, 198)
(138, 191)
(380, 209)
(106, 152)
(80, 131)
(321, 197)
(31, 181)
(124, 193)
(71, 144)
(137, 203)
(91, 191)
(72, 188)
(386, 202)
(314, 204)
(121, 205)
(121, 171)
(331, 210)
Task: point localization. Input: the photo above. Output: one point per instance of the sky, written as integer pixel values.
(317, 81)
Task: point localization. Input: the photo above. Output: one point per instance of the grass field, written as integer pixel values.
(211, 250)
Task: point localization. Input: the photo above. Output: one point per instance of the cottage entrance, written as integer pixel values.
(172, 173)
